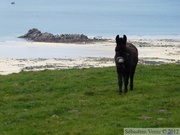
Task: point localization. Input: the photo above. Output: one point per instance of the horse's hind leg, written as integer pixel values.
(131, 81)
(132, 78)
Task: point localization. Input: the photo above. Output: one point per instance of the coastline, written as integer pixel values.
(58, 56)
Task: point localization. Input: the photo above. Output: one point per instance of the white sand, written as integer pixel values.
(25, 56)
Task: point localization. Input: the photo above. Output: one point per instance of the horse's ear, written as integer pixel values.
(117, 38)
(124, 39)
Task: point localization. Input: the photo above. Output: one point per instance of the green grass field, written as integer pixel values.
(86, 101)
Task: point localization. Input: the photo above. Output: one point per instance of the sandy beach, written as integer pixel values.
(33, 56)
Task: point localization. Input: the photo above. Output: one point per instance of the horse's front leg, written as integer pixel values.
(120, 83)
(126, 81)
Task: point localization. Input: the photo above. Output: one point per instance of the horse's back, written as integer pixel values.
(132, 50)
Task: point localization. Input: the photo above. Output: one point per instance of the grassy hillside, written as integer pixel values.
(86, 101)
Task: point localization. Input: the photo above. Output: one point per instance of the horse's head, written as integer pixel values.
(121, 54)
(121, 43)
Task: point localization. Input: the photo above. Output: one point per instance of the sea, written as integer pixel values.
(94, 18)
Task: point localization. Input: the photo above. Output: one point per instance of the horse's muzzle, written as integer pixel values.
(120, 59)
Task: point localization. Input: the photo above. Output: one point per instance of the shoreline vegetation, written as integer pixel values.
(86, 102)
(36, 35)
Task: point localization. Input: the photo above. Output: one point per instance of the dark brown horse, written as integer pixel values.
(126, 59)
